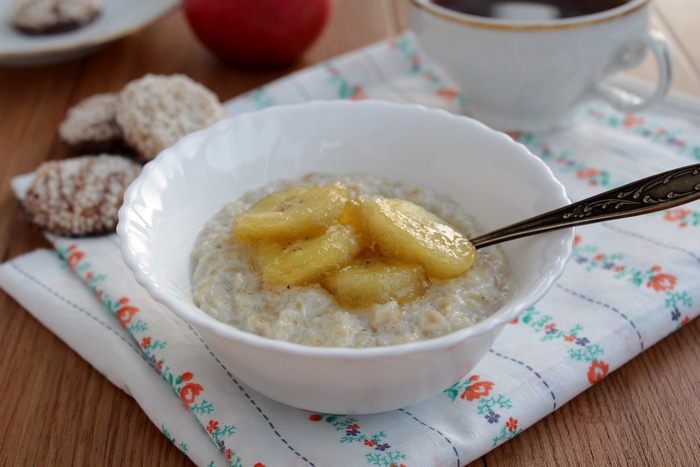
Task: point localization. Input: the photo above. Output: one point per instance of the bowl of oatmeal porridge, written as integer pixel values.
(227, 285)
(316, 331)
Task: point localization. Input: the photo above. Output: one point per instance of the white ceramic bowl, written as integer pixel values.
(496, 179)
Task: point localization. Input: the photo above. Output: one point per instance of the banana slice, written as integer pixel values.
(407, 232)
(305, 261)
(371, 281)
(297, 212)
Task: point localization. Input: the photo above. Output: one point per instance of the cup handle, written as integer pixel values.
(627, 101)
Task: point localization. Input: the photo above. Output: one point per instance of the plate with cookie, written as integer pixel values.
(40, 32)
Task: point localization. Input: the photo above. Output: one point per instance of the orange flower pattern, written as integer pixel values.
(189, 392)
(217, 432)
(407, 48)
(654, 277)
(74, 258)
(380, 452)
(590, 258)
(581, 349)
(587, 172)
(185, 387)
(212, 426)
(682, 217)
(597, 371)
(345, 89)
(491, 407)
(651, 131)
(565, 162)
(662, 282)
(125, 313)
(477, 390)
(676, 214)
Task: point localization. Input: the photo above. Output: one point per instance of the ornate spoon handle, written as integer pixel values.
(650, 194)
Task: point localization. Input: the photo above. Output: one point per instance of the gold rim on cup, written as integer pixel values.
(470, 20)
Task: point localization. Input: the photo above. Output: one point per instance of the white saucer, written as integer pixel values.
(118, 18)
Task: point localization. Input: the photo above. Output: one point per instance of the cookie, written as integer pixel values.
(156, 111)
(91, 126)
(80, 196)
(49, 16)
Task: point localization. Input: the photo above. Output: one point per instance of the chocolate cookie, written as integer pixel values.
(80, 196)
(91, 126)
(156, 111)
(49, 16)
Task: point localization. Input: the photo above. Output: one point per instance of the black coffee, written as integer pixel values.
(530, 9)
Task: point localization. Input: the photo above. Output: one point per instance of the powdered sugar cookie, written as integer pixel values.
(79, 196)
(156, 111)
(91, 126)
(49, 16)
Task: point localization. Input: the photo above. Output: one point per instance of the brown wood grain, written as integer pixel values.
(681, 19)
(57, 410)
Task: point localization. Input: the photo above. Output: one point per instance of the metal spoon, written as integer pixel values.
(655, 193)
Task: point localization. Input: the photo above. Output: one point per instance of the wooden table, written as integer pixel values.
(57, 410)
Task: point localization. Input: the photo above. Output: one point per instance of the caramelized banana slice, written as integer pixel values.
(368, 282)
(305, 261)
(293, 213)
(409, 233)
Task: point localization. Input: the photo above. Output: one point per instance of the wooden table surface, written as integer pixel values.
(57, 410)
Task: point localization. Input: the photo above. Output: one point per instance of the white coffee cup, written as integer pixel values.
(530, 74)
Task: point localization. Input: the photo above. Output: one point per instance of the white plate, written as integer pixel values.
(118, 18)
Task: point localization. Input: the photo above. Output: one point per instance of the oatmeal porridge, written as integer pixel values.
(227, 282)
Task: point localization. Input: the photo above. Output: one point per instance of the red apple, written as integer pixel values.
(257, 32)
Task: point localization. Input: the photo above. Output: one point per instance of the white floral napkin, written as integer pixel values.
(630, 283)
